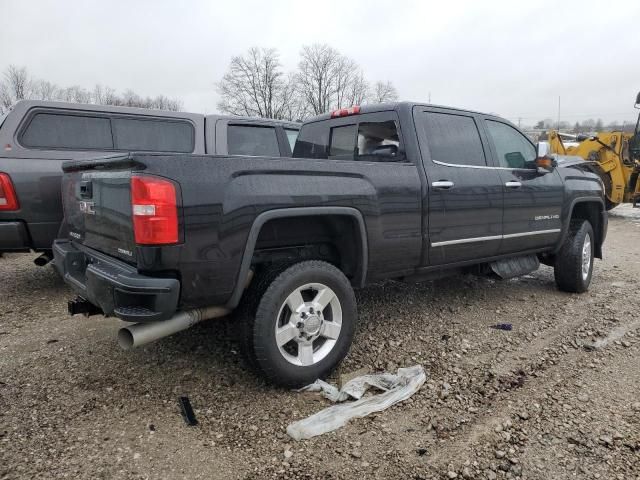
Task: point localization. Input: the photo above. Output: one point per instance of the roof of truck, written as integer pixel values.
(25, 105)
(383, 107)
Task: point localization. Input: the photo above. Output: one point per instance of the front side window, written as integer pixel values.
(153, 135)
(453, 139)
(252, 140)
(378, 139)
(73, 132)
(513, 148)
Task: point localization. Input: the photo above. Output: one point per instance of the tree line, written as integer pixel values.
(256, 84)
(17, 84)
(586, 126)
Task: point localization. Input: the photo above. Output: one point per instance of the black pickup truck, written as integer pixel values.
(404, 191)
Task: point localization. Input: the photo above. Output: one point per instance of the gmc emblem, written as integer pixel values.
(87, 207)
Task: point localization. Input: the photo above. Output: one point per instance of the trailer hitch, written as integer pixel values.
(82, 306)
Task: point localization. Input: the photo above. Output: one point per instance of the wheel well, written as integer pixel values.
(592, 212)
(333, 238)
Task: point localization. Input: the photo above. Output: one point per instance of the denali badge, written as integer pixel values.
(87, 207)
(125, 252)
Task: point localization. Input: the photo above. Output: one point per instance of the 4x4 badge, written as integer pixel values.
(87, 207)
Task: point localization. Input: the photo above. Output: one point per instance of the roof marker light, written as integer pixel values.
(345, 112)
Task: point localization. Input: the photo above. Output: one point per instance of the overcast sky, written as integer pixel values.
(507, 57)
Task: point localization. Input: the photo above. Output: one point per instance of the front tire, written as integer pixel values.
(299, 323)
(574, 262)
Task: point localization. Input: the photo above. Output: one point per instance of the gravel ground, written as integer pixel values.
(557, 397)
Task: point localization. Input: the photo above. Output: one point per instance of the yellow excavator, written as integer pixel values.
(614, 156)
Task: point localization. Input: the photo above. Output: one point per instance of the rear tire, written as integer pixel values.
(298, 322)
(574, 262)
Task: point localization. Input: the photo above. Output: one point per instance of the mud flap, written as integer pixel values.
(516, 266)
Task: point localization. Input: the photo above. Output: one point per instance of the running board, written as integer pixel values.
(515, 266)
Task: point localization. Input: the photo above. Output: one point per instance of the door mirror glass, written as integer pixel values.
(543, 148)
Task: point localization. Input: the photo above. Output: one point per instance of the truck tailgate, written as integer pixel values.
(97, 206)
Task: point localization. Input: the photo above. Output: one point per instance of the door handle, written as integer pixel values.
(442, 184)
(513, 184)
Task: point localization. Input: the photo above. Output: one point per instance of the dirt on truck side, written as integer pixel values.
(556, 397)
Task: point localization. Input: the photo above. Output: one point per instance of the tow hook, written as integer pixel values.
(80, 305)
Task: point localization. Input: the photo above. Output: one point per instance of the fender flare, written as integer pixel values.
(264, 217)
(604, 221)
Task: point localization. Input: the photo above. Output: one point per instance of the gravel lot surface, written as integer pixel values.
(557, 397)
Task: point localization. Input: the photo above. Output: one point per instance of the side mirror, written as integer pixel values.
(545, 164)
(543, 148)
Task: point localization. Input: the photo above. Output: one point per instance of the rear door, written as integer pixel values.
(464, 205)
(532, 200)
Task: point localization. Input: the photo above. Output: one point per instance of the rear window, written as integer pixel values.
(155, 135)
(252, 140)
(374, 141)
(48, 130)
(343, 141)
(453, 139)
(378, 137)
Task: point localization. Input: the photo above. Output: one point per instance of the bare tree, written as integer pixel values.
(255, 85)
(384, 92)
(16, 85)
(317, 76)
(358, 90)
(328, 80)
(44, 90)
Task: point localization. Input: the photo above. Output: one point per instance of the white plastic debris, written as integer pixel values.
(395, 387)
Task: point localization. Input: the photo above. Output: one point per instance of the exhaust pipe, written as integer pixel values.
(143, 333)
(43, 259)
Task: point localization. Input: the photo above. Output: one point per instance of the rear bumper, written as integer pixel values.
(114, 286)
(14, 237)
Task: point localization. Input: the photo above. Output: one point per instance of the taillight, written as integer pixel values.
(155, 211)
(8, 198)
(345, 112)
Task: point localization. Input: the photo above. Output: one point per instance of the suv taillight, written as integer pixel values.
(155, 211)
(8, 198)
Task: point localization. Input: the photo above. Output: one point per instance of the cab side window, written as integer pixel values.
(512, 148)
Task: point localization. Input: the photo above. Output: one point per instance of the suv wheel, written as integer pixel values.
(300, 322)
(574, 262)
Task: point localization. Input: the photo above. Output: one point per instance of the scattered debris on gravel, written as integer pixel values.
(554, 398)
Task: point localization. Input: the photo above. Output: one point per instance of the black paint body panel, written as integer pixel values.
(224, 198)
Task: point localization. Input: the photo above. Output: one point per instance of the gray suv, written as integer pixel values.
(37, 136)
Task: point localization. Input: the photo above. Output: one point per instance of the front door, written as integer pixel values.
(532, 200)
(464, 213)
